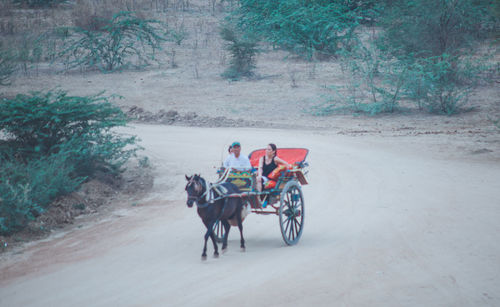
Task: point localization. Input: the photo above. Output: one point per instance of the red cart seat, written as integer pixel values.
(290, 155)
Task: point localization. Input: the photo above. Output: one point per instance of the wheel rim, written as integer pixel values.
(291, 213)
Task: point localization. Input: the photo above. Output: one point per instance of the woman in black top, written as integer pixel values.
(267, 164)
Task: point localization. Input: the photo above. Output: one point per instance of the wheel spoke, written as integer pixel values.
(218, 230)
(288, 198)
(287, 221)
(294, 196)
(289, 231)
(297, 224)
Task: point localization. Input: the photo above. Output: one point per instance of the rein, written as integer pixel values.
(210, 192)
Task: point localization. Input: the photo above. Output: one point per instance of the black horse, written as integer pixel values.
(213, 207)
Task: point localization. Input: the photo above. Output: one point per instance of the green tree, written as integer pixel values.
(303, 27)
(123, 38)
(427, 28)
(435, 42)
(243, 49)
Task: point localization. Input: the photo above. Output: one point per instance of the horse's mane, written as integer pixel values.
(229, 187)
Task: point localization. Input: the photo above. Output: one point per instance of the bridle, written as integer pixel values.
(210, 195)
(200, 185)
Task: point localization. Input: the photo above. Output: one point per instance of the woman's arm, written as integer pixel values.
(280, 161)
(261, 163)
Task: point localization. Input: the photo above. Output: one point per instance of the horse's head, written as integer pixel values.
(195, 189)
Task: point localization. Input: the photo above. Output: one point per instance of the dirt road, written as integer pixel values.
(388, 222)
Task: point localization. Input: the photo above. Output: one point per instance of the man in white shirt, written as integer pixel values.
(236, 160)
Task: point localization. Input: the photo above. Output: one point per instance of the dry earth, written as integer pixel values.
(401, 210)
(390, 221)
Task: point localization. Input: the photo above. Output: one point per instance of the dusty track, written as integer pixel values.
(389, 222)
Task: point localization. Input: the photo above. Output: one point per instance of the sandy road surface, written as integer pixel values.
(389, 222)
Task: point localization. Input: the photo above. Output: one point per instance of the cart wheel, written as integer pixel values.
(219, 231)
(291, 212)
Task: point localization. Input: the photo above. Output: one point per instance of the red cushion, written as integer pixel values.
(276, 173)
(269, 184)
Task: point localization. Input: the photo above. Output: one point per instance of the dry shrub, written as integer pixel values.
(15, 21)
(91, 16)
(6, 8)
(7, 26)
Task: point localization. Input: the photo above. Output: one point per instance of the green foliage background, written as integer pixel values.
(425, 51)
(51, 143)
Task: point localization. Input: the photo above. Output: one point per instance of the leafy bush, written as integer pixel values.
(28, 188)
(304, 27)
(423, 55)
(439, 85)
(38, 123)
(351, 99)
(25, 52)
(442, 84)
(434, 41)
(112, 46)
(426, 28)
(373, 84)
(51, 142)
(29, 51)
(242, 49)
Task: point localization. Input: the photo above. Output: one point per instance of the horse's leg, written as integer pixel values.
(240, 226)
(208, 234)
(227, 227)
(204, 254)
(214, 241)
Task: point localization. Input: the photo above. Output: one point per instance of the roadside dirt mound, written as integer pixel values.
(172, 117)
(93, 196)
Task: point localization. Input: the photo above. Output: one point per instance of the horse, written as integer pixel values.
(213, 206)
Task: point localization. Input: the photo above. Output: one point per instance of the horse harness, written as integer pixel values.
(210, 192)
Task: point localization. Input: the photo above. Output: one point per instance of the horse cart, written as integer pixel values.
(283, 198)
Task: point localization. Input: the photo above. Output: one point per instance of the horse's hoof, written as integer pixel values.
(216, 255)
(242, 249)
(203, 258)
(224, 250)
